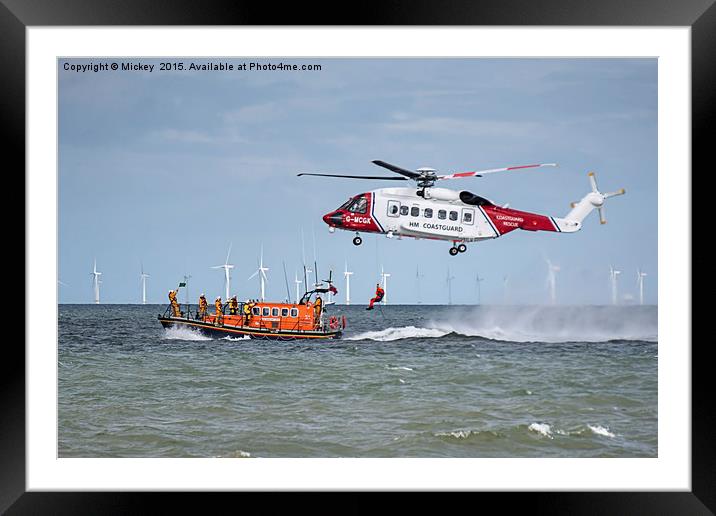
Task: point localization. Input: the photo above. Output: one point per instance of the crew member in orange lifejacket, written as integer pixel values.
(219, 309)
(233, 306)
(203, 305)
(175, 305)
(379, 293)
(317, 307)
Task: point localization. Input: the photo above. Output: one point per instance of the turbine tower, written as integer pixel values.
(187, 277)
(449, 285)
(640, 280)
(613, 273)
(505, 288)
(417, 281)
(552, 281)
(297, 282)
(478, 280)
(384, 279)
(144, 277)
(227, 275)
(347, 274)
(95, 282)
(261, 272)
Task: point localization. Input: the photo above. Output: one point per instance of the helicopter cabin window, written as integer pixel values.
(266, 311)
(284, 312)
(256, 310)
(414, 211)
(453, 215)
(467, 216)
(428, 213)
(359, 205)
(294, 312)
(403, 210)
(274, 312)
(442, 214)
(393, 208)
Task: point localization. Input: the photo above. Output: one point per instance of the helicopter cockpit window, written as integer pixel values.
(359, 205)
(453, 215)
(393, 208)
(428, 213)
(442, 214)
(403, 210)
(414, 211)
(345, 204)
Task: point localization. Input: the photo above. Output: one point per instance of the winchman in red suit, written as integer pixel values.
(379, 293)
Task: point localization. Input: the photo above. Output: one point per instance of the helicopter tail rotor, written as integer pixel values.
(593, 200)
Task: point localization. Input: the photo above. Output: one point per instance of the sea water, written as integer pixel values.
(405, 381)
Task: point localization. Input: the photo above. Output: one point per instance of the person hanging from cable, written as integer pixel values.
(176, 312)
(379, 293)
(203, 306)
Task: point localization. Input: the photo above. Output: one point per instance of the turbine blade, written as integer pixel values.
(602, 219)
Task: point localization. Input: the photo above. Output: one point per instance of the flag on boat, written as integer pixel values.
(332, 289)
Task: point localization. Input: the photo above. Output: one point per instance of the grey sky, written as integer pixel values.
(168, 168)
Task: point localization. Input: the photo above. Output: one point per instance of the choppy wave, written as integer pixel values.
(175, 333)
(542, 429)
(531, 324)
(406, 332)
(600, 430)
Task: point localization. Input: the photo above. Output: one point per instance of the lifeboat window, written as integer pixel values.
(284, 312)
(453, 215)
(442, 214)
(256, 310)
(274, 312)
(428, 213)
(393, 208)
(294, 312)
(414, 211)
(403, 210)
(266, 311)
(467, 216)
(359, 205)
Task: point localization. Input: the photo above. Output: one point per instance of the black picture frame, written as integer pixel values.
(700, 15)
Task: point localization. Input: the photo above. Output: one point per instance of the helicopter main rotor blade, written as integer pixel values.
(480, 173)
(393, 168)
(357, 177)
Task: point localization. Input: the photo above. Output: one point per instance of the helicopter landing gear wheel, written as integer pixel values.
(462, 248)
(453, 251)
(357, 240)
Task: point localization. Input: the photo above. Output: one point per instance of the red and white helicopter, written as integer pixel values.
(444, 214)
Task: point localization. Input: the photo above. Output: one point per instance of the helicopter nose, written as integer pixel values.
(333, 219)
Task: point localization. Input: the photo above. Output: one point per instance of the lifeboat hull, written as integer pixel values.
(212, 330)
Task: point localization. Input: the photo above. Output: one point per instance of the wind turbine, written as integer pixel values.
(449, 285)
(384, 279)
(261, 272)
(227, 275)
(640, 280)
(144, 277)
(613, 273)
(552, 281)
(417, 281)
(297, 282)
(505, 288)
(187, 277)
(347, 275)
(307, 269)
(95, 282)
(478, 280)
